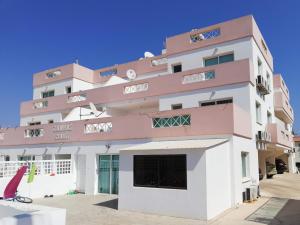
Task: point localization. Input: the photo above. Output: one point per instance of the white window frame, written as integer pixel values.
(245, 177)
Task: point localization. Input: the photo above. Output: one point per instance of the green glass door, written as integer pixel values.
(115, 174)
(108, 178)
(104, 174)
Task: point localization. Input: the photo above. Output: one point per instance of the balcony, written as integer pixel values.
(207, 77)
(280, 136)
(283, 109)
(218, 34)
(174, 123)
(279, 84)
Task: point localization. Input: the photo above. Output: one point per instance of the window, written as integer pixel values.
(68, 90)
(108, 72)
(245, 164)
(219, 59)
(47, 94)
(160, 171)
(216, 102)
(177, 106)
(26, 157)
(259, 66)
(7, 158)
(34, 123)
(50, 121)
(264, 46)
(177, 68)
(258, 113)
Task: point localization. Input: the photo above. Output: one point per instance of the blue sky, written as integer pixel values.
(41, 34)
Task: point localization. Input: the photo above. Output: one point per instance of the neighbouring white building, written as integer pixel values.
(183, 133)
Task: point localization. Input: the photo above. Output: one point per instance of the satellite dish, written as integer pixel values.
(148, 55)
(131, 74)
(154, 62)
(94, 110)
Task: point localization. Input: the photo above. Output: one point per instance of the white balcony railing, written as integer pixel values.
(98, 128)
(136, 88)
(40, 104)
(43, 167)
(32, 133)
(198, 77)
(77, 98)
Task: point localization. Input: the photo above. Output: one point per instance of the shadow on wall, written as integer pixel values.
(277, 211)
(112, 204)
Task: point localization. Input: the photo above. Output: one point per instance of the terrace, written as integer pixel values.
(174, 123)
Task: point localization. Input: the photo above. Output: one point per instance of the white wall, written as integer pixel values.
(208, 183)
(43, 185)
(239, 93)
(60, 87)
(43, 118)
(267, 104)
(79, 85)
(194, 59)
(189, 203)
(31, 214)
(218, 179)
(239, 185)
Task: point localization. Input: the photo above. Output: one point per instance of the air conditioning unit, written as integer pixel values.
(251, 193)
(262, 85)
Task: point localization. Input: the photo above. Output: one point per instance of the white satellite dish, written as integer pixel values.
(148, 55)
(131, 74)
(154, 62)
(201, 36)
(94, 110)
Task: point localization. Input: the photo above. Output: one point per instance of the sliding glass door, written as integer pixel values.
(108, 177)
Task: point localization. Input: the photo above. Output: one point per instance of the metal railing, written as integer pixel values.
(43, 167)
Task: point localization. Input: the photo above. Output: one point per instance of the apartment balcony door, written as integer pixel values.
(108, 177)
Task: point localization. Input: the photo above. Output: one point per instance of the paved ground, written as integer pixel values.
(282, 186)
(101, 209)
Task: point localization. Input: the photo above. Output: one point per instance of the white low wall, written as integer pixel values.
(42, 185)
(14, 213)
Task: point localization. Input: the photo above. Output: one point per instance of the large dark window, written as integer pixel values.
(160, 171)
(47, 94)
(219, 59)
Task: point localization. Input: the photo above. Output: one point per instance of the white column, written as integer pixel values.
(91, 174)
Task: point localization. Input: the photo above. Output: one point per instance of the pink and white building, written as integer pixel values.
(183, 133)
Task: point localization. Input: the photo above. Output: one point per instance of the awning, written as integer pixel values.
(184, 144)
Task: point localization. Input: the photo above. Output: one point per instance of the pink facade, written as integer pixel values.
(280, 136)
(229, 31)
(283, 107)
(225, 74)
(67, 72)
(232, 30)
(204, 121)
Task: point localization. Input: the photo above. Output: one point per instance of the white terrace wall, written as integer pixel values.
(49, 180)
